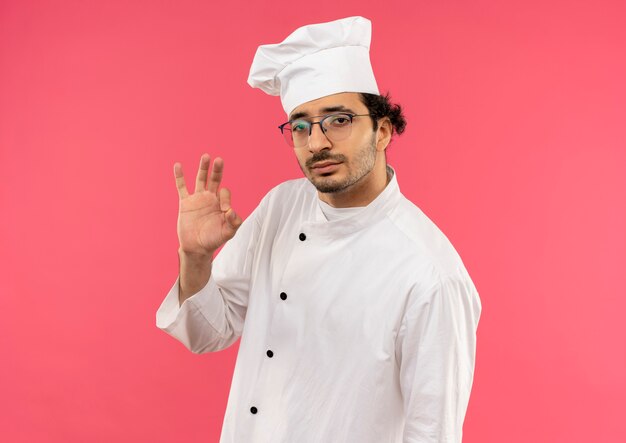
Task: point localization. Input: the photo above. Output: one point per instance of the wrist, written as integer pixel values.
(201, 256)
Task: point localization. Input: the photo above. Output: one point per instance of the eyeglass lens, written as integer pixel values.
(335, 126)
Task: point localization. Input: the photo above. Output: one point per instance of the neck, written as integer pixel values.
(363, 192)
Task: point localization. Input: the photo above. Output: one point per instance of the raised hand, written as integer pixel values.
(205, 219)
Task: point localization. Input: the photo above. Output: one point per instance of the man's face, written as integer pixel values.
(334, 166)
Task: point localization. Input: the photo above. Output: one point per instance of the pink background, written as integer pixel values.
(515, 147)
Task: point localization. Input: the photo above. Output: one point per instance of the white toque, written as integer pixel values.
(315, 61)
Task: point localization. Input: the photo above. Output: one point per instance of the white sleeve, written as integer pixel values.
(213, 318)
(436, 349)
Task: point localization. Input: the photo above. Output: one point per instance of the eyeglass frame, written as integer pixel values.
(324, 117)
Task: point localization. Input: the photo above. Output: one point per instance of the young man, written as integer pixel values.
(356, 315)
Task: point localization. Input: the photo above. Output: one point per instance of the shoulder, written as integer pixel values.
(424, 239)
(284, 196)
(298, 187)
(444, 280)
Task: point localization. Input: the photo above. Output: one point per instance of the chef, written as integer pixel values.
(356, 315)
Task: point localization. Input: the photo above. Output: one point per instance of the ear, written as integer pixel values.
(383, 134)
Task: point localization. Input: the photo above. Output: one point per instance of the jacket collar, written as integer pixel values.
(377, 210)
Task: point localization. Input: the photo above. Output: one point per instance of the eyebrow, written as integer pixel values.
(326, 110)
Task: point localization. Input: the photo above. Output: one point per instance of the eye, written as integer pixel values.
(299, 126)
(338, 121)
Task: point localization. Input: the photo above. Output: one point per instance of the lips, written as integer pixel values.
(325, 168)
(320, 165)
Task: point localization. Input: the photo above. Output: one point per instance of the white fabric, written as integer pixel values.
(315, 61)
(332, 213)
(374, 343)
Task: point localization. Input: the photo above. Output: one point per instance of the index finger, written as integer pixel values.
(180, 181)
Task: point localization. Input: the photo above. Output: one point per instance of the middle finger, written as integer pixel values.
(203, 171)
(216, 175)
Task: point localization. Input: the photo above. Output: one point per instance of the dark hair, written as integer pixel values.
(380, 106)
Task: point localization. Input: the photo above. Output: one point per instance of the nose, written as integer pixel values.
(317, 139)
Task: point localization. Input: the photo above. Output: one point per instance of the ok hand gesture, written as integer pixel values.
(205, 219)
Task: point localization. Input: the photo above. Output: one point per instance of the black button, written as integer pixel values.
(253, 410)
(270, 354)
(283, 296)
(302, 237)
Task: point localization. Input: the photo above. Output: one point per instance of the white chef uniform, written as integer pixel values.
(360, 329)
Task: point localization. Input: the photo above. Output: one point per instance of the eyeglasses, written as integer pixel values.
(336, 127)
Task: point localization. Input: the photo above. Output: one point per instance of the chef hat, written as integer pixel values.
(315, 61)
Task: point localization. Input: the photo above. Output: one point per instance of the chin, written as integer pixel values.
(329, 186)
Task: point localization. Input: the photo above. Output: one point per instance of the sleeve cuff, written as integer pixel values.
(170, 308)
